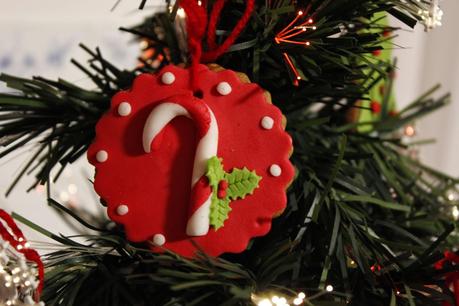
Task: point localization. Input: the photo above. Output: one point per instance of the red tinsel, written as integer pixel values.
(452, 278)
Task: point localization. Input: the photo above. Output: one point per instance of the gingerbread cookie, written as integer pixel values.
(210, 165)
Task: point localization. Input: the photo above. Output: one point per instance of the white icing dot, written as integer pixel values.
(224, 88)
(159, 239)
(124, 109)
(122, 210)
(267, 122)
(168, 78)
(275, 170)
(102, 156)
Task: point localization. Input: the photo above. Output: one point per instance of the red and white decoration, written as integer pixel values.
(21, 268)
(151, 152)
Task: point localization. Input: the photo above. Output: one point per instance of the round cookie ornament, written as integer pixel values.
(177, 167)
(197, 154)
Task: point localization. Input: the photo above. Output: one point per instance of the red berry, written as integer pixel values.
(375, 107)
(377, 52)
(222, 187)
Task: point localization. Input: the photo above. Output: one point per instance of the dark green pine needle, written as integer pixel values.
(362, 216)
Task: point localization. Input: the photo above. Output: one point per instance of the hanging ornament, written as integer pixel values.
(197, 154)
(380, 102)
(21, 269)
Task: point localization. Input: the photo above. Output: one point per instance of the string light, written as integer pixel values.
(265, 302)
(72, 188)
(452, 195)
(431, 16)
(279, 300)
(289, 62)
(64, 196)
(297, 301)
(410, 131)
(289, 35)
(455, 213)
(17, 279)
(181, 13)
(329, 288)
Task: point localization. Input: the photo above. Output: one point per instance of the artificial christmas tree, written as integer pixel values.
(365, 223)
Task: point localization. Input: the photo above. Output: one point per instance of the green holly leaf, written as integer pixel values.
(241, 183)
(215, 172)
(219, 211)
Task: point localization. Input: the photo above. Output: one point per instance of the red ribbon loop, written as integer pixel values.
(196, 27)
(215, 51)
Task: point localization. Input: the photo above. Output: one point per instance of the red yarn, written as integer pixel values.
(215, 51)
(196, 28)
(19, 239)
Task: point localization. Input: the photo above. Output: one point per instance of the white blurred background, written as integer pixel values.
(40, 38)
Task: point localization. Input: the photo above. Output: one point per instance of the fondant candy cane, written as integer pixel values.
(206, 124)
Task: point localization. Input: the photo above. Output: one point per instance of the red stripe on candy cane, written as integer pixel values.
(206, 124)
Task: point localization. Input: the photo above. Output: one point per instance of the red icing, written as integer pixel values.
(222, 187)
(157, 186)
(200, 193)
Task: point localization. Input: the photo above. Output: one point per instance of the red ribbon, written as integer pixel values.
(18, 241)
(196, 28)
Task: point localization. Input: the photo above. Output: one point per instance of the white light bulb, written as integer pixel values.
(265, 302)
(181, 13)
(72, 188)
(455, 212)
(297, 301)
(329, 288)
(64, 196)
